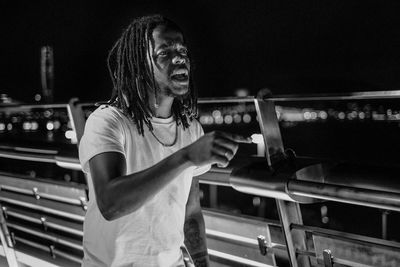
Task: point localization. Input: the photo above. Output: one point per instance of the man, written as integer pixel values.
(141, 151)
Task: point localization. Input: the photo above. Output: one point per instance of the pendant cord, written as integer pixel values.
(175, 139)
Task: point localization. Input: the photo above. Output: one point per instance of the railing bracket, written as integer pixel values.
(83, 203)
(52, 251)
(4, 209)
(262, 245)
(44, 222)
(328, 260)
(36, 192)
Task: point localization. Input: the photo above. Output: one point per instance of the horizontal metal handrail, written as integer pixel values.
(68, 163)
(221, 100)
(366, 95)
(236, 259)
(41, 208)
(346, 236)
(46, 249)
(45, 156)
(345, 194)
(40, 188)
(317, 190)
(45, 221)
(59, 240)
(24, 106)
(28, 157)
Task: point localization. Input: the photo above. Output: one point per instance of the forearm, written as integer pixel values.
(195, 239)
(127, 193)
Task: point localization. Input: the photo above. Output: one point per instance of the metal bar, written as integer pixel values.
(346, 194)
(391, 94)
(347, 236)
(68, 200)
(388, 94)
(21, 156)
(241, 239)
(49, 222)
(58, 192)
(229, 257)
(327, 255)
(68, 164)
(77, 118)
(35, 150)
(269, 128)
(19, 107)
(62, 241)
(289, 212)
(43, 209)
(216, 176)
(220, 100)
(46, 249)
(255, 222)
(6, 241)
(384, 215)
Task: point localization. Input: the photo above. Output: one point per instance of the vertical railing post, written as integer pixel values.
(6, 241)
(289, 212)
(77, 118)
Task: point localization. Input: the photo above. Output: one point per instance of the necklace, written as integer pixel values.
(164, 144)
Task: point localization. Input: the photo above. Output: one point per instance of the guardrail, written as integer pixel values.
(233, 240)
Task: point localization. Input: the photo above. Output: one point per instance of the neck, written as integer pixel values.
(164, 109)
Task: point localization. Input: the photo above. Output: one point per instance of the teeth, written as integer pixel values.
(180, 72)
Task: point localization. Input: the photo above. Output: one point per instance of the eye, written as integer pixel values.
(183, 51)
(162, 53)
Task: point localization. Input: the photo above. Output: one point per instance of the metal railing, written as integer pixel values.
(290, 240)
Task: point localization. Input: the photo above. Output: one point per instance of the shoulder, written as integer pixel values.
(196, 128)
(104, 132)
(105, 116)
(106, 112)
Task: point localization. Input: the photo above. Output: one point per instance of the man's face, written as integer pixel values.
(170, 61)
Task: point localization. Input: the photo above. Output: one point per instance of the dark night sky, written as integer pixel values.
(288, 46)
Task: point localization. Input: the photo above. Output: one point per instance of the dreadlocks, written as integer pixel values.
(132, 75)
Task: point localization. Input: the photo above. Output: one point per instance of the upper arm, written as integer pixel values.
(101, 150)
(105, 167)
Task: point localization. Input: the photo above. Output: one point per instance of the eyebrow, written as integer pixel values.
(169, 44)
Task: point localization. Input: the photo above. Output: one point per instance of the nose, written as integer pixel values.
(178, 59)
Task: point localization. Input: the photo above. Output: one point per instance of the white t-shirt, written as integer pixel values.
(152, 235)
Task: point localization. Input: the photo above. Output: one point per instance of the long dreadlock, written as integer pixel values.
(132, 75)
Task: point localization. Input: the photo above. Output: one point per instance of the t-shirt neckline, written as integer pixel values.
(162, 120)
(155, 119)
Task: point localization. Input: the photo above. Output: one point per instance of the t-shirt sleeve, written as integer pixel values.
(103, 133)
(199, 132)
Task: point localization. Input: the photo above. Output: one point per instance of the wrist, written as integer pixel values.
(185, 158)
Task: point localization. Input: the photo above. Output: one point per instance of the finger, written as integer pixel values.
(219, 165)
(221, 161)
(223, 152)
(236, 137)
(226, 143)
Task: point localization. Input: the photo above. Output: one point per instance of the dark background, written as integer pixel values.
(287, 46)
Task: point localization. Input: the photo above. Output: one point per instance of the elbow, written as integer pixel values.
(112, 210)
(106, 210)
(108, 207)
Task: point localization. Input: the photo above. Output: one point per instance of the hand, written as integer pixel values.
(215, 147)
